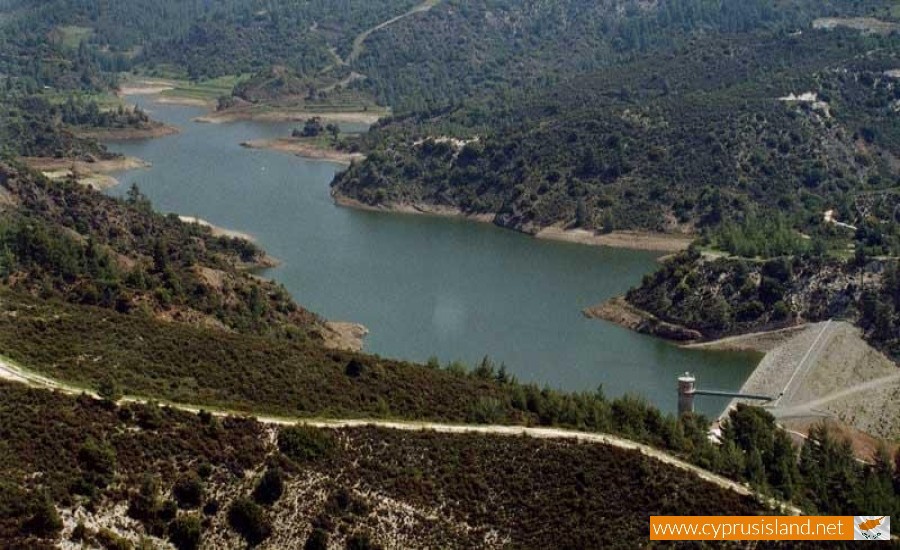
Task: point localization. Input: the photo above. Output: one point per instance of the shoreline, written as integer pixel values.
(618, 311)
(216, 230)
(419, 209)
(94, 174)
(145, 87)
(274, 114)
(344, 336)
(266, 113)
(303, 149)
(263, 262)
(186, 101)
(812, 371)
(760, 342)
(629, 240)
(125, 134)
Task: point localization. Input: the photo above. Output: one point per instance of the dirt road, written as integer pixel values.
(12, 372)
(359, 41)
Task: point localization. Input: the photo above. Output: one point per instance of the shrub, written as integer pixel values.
(354, 368)
(44, 521)
(168, 510)
(304, 444)
(111, 541)
(343, 502)
(143, 504)
(487, 410)
(317, 540)
(211, 508)
(270, 487)
(361, 541)
(79, 533)
(188, 491)
(109, 390)
(98, 464)
(248, 520)
(749, 311)
(149, 416)
(185, 532)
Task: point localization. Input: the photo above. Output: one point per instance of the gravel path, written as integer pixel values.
(13, 372)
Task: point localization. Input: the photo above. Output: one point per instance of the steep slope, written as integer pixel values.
(65, 240)
(138, 471)
(725, 296)
(672, 143)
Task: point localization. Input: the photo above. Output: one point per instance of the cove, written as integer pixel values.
(424, 286)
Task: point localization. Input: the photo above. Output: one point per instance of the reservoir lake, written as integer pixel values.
(424, 286)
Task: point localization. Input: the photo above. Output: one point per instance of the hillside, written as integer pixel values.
(141, 473)
(719, 297)
(64, 240)
(204, 39)
(461, 50)
(674, 143)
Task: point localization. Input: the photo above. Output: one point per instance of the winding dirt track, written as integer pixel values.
(14, 373)
(359, 41)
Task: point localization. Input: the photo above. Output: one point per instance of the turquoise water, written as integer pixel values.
(424, 286)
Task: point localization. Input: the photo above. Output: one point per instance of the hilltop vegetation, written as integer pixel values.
(674, 143)
(63, 240)
(727, 296)
(463, 49)
(206, 39)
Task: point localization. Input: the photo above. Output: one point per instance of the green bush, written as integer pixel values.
(362, 541)
(185, 532)
(305, 444)
(188, 491)
(317, 540)
(270, 487)
(248, 520)
(44, 521)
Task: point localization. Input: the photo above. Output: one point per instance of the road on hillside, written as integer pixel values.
(14, 373)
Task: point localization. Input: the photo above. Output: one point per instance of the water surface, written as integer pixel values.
(424, 286)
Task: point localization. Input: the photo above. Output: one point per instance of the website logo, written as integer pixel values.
(872, 528)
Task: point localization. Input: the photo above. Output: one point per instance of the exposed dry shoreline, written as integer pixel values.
(187, 101)
(264, 262)
(303, 148)
(94, 174)
(344, 336)
(146, 87)
(813, 371)
(617, 310)
(273, 114)
(119, 134)
(412, 208)
(218, 231)
(635, 240)
(762, 342)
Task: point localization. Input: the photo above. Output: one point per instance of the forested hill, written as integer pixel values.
(62, 240)
(455, 50)
(672, 141)
(466, 48)
(202, 37)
